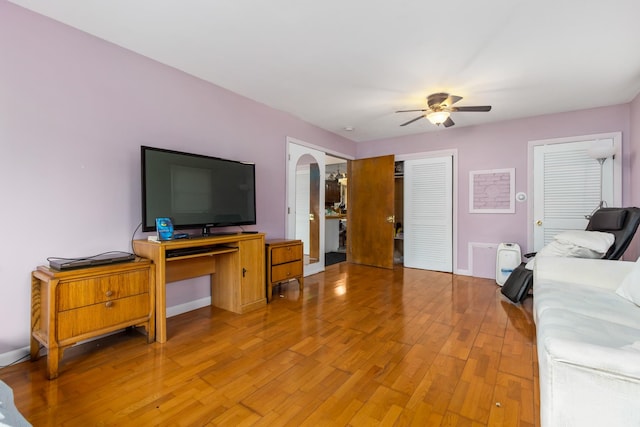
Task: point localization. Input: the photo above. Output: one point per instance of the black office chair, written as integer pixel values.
(621, 222)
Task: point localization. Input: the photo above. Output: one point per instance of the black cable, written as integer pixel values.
(87, 258)
(133, 236)
(21, 359)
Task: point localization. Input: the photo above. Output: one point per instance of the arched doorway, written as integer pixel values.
(305, 214)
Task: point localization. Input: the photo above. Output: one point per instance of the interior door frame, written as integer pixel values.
(453, 153)
(617, 172)
(291, 182)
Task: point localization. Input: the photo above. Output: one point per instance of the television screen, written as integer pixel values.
(196, 191)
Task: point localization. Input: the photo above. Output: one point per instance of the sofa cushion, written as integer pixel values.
(599, 273)
(583, 300)
(630, 286)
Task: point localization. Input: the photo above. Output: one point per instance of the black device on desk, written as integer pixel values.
(90, 261)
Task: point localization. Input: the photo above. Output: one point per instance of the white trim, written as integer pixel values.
(454, 155)
(426, 154)
(462, 272)
(188, 306)
(12, 356)
(325, 150)
(470, 247)
(617, 171)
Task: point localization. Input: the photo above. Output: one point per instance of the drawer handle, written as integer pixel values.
(109, 294)
(108, 304)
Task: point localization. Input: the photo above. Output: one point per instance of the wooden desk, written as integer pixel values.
(75, 305)
(234, 262)
(284, 262)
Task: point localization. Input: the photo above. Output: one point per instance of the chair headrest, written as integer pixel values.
(621, 222)
(603, 220)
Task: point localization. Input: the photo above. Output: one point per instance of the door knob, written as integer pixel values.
(539, 222)
(391, 219)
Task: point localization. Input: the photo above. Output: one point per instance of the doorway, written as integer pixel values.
(305, 216)
(335, 210)
(306, 187)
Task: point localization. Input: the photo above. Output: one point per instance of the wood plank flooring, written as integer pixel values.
(360, 346)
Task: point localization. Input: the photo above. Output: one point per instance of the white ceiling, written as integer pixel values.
(353, 63)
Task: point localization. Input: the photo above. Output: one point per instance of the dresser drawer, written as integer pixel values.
(286, 254)
(93, 290)
(286, 271)
(91, 318)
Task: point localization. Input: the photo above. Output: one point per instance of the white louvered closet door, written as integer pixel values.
(428, 213)
(566, 188)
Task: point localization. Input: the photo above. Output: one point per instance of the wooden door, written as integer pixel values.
(370, 220)
(314, 212)
(252, 270)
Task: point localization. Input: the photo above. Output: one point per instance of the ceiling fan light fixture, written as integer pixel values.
(438, 117)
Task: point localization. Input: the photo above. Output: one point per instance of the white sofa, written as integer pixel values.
(588, 339)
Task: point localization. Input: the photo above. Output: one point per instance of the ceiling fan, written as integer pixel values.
(439, 108)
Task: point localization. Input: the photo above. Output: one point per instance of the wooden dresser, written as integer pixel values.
(75, 305)
(284, 262)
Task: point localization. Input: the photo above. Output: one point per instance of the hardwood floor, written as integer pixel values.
(360, 346)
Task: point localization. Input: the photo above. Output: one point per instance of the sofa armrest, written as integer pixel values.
(622, 362)
(588, 385)
(600, 273)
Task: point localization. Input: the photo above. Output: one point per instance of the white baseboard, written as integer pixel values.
(23, 353)
(188, 306)
(14, 355)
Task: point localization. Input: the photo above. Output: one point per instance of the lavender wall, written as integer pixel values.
(505, 145)
(74, 111)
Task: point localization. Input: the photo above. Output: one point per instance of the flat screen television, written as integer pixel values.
(196, 191)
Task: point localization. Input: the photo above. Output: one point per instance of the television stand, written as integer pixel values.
(236, 264)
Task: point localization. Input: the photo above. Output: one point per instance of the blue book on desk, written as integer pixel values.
(164, 227)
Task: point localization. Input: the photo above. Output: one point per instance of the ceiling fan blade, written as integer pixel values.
(452, 99)
(435, 99)
(448, 122)
(412, 120)
(409, 111)
(481, 108)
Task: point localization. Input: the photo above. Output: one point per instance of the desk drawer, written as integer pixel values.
(72, 323)
(93, 290)
(286, 254)
(286, 271)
